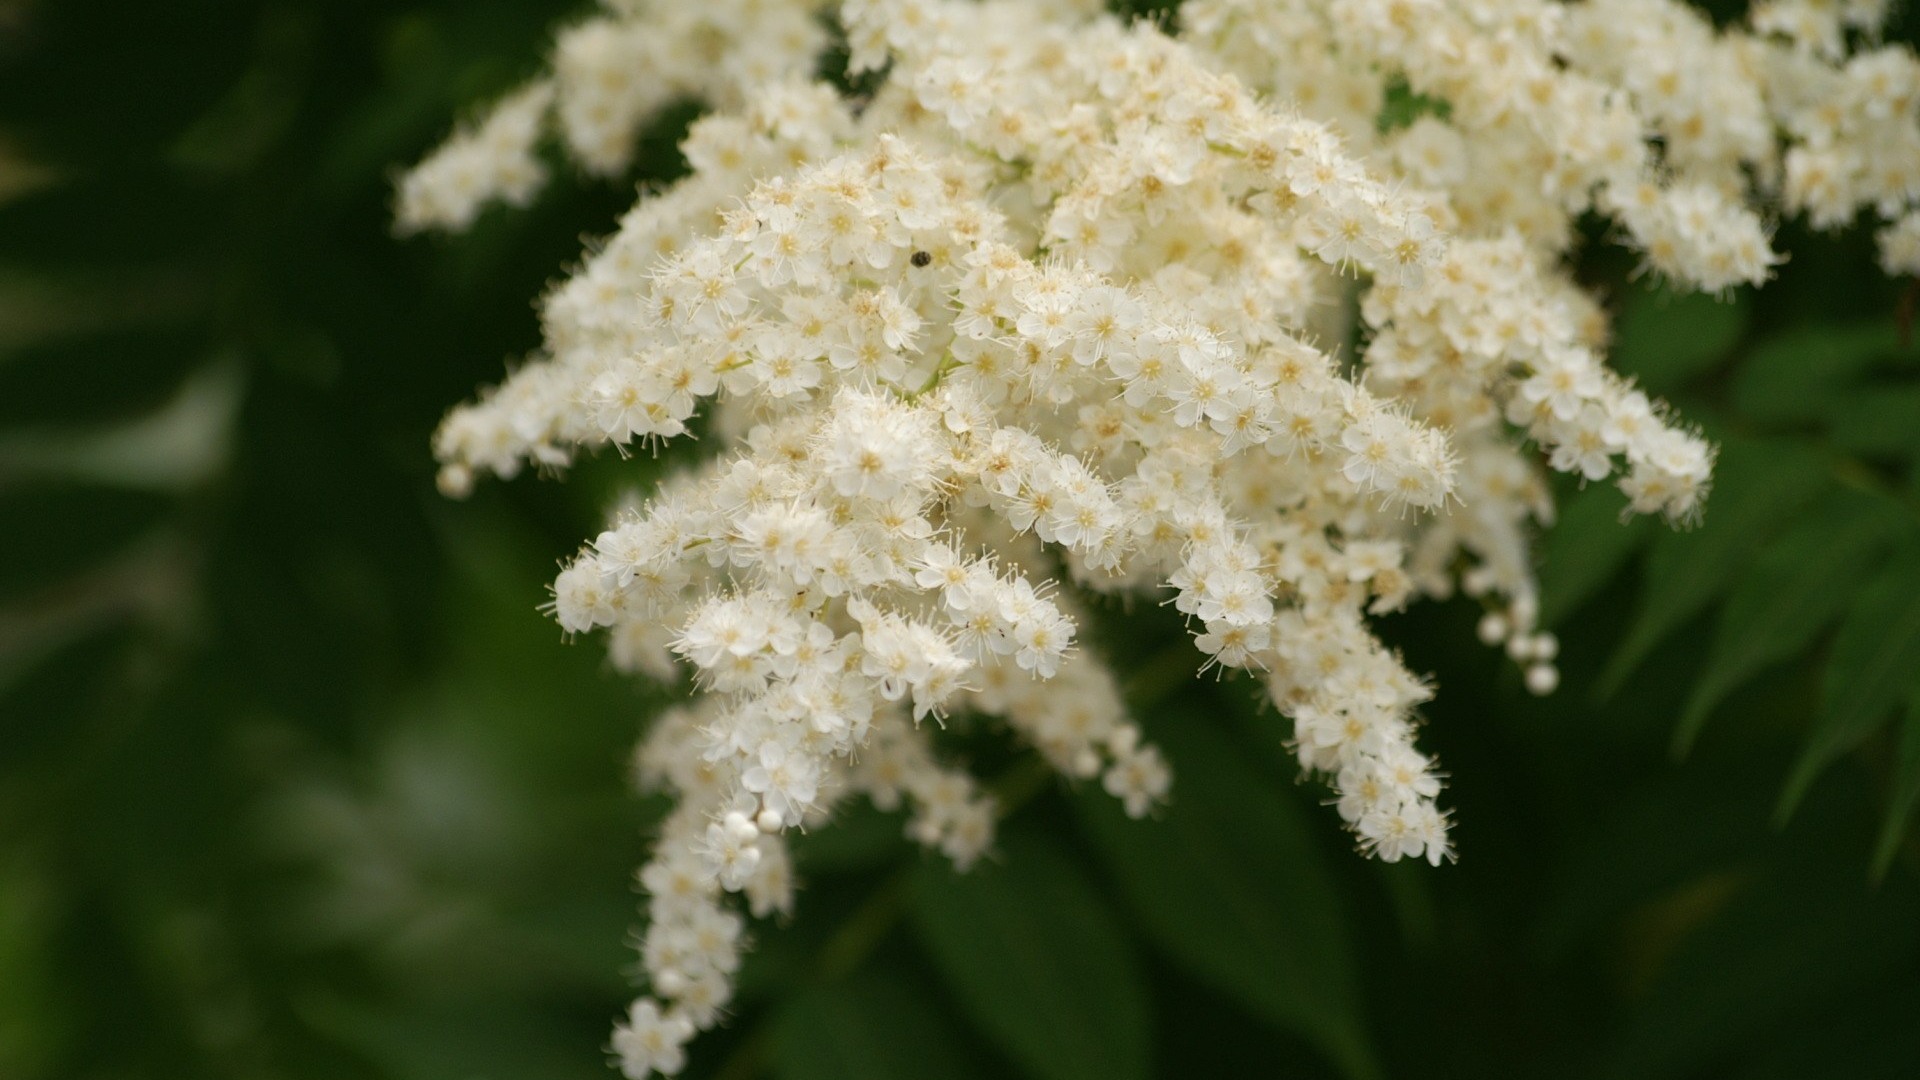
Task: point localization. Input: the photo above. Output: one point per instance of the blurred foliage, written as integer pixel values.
(1809, 565)
(294, 782)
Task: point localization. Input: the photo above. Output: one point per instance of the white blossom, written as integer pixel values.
(1049, 305)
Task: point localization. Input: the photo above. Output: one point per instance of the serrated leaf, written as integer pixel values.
(877, 1025)
(1757, 487)
(1875, 662)
(1795, 588)
(1906, 790)
(1586, 547)
(1665, 338)
(1229, 884)
(1040, 964)
(1796, 376)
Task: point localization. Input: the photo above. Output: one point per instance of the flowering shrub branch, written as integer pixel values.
(1063, 300)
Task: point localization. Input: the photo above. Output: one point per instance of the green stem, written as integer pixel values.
(947, 363)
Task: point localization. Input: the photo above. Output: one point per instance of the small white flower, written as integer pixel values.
(651, 1041)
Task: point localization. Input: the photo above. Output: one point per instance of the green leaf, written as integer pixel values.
(1664, 833)
(858, 837)
(33, 1021)
(1784, 942)
(454, 1040)
(60, 532)
(1402, 105)
(109, 373)
(1757, 487)
(1038, 961)
(1906, 790)
(1868, 1034)
(1665, 338)
(1586, 547)
(1229, 884)
(1878, 420)
(1796, 586)
(877, 1025)
(1796, 376)
(1876, 661)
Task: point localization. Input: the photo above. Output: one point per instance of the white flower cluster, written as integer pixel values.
(495, 159)
(1641, 109)
(611, 75)
(1052, 303)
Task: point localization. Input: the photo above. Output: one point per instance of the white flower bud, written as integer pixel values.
(740, 828)
(1545, 647)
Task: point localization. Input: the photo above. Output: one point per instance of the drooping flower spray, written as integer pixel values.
(1060, 297)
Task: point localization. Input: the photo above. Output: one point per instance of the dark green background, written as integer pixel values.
(295, 782)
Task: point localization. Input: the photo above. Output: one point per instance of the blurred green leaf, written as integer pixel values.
(878, 1025)
(111, 374)
(1586, 548)
(1868, 1034)
(1758, 486)
(32, 1023)
(1663, 834)
(1878, 421)
(1400, 109)
(1665, 338)
(55, 230)
(1906, 790)
(459, 1040)
(1782, 944)
(858, 836)
(1875, 663)
(1796, 375)
(1228, 883)
(1794, 589)
(1033, 954)
(256, 110)
(176, 448)
(56, 531)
